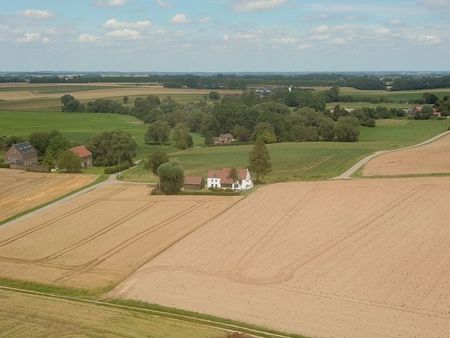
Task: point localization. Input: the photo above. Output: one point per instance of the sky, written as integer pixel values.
(224, 35)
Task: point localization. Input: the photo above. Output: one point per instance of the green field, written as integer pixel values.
(305, 160)
(77, 127)
(398, 96)
(355, 105)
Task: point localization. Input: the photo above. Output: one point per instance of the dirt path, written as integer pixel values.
(348, 173)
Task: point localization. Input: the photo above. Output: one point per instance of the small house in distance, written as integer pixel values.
(22, 154)
(84, 154)
(220, 179)
(224, 139)
(194, 183)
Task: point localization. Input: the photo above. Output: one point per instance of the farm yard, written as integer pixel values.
(432, 158)
(21, 190)
(338, 258)
(97, 239)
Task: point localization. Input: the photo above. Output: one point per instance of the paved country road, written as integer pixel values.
(348, 173)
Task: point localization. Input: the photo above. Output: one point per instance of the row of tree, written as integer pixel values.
(230, 81)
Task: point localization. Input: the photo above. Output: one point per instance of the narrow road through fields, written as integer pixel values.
(348, 173)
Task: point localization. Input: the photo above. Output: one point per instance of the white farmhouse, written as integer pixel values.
(220, 179)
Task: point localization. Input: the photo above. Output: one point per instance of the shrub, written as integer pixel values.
(4, 165)
(117, 168)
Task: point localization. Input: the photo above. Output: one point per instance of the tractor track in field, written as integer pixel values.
(56, 219)
(230, 327)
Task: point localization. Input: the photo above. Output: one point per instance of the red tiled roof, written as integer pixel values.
(224, 173)
(81, 151)
(193, 180)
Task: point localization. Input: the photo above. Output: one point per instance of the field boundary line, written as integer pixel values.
(161, 313)
(361, 163)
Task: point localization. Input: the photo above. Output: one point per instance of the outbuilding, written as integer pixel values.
(84, 154)
(22, 154)
(194, 183)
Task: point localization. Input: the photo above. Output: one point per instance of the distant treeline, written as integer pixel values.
(429, 82)
(224, 81)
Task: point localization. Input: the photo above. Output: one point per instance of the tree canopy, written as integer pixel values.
(171, 178)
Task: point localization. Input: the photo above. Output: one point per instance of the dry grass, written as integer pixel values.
(21, 190)
(23, 315)
(99, 238)
(360, 258)
(433, 158)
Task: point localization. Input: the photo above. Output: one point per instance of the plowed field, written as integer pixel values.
(360, 258)
(432, 158)
(21, 190)
(102, 236)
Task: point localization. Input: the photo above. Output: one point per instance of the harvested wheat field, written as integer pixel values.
(432, 158)
(26, 315)
(21, 190)
(360, 258)
(106, 92)
(100, 237)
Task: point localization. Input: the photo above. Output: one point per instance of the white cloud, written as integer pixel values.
(322, 29)
(36, 13)
(429, 39)
(180, 18)
(87, 38)
(435, 4)
(163, 4)
(30, 37)
(110, 3)
(256, 5)
(125, 34)
(115, 24)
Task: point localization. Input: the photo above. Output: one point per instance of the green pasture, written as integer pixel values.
(304, 160)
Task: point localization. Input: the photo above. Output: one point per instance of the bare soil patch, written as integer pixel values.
(360, 258)
(432, 158)
(21, 190)
(99, 238)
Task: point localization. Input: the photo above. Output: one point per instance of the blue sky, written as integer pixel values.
(224, 35)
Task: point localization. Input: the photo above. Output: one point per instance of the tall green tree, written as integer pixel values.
(182, 136)
(68, 161)
(112, 147)
(158, 132)
(57, 144)
(265, 132)
(40, 141)
(259, 160)
(233, 175)
(155, 160)
(171, 178)
(347, 129)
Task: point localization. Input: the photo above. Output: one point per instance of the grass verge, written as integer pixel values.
(94, 297)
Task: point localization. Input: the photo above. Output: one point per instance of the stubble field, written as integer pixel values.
(21, 190)
(339, 258)
(25, 315)
(97, 239)
(432, 158)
